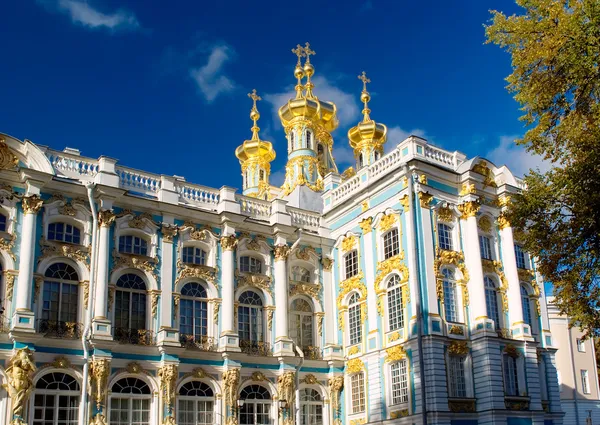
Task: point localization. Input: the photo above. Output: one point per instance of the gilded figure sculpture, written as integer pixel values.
(168, 376)
(99, 371)
(336, 384)
(231, 381)
(286, 386)
(20, 382)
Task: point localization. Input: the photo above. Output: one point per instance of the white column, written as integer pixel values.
(105, 220)
(475, 285)
(24, 317)
(328, 301)
(283, 344)
(509, 263)
(370, 265)
(167, 335)
(424, 215)
(229, 338)
(101, 324)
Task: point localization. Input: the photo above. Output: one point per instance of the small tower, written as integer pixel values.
(308, 123)
(367, 137)
(255, 157)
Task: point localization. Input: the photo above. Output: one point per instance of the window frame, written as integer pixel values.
(61, 283)
(457, 389)
(302, 343)
(143, 246)
(357, 383)
(252, 264)
(74, 233)
(450, 286)
(585, 382)
(202, 255)
(445, 236)
(257, 401)
(355, 337)
(526, 302)
(521, 257)
(353, 267)
(196, 399)
(57, 393)
(306, 419)
(391, 243)
(204, 307)
(129, 397)
(397, 287)
(402, 383)
(259, 322)
(495, 302)
(486, 244)
(132, 291)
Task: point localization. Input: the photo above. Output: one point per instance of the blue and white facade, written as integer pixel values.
(405, 284)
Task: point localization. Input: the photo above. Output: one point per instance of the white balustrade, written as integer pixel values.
(138, 181)
(197, 195)
(305, 219)
(72, 166)
(255, 208)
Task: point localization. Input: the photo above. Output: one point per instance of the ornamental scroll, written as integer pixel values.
(99, 371)
(231, 381)
(451, 258)
(20, 383)
(336, 384)
(384, 268)
(168, 377)
(286, 387)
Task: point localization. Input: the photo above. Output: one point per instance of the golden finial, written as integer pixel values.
(254, 115)
(365, 97)
(298, 71)
(309, 70)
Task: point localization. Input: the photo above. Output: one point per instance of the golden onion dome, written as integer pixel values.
(367, 132)
(306, 105)
(255, 148)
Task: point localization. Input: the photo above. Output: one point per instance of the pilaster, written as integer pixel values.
(101, 324)
(167, 335)
(229, 340)
(283, 343)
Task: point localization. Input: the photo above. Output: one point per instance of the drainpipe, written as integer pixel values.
(295, 244)
(300, 364)
(413, 265)
(83, 412)
(570, 344)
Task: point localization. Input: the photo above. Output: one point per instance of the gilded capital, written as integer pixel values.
(31, 204)
(99, 371)
(169, 231)
(405, 202)
(425, 199)
(458, 348)
(327, 263)
(365, 225)
(8, 160)
(228, 243)
(387, 222)
(106, 218)
(503, 222)
(281, 252)
(469, 209)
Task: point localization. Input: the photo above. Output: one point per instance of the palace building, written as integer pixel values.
(395, 292)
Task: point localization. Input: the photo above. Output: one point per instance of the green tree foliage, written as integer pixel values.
(555, 47)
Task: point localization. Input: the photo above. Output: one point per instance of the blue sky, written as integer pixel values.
(164, 88)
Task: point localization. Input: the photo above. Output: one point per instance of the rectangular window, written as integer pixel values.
(391, 244)
(355, 324)
(485, 247)
(520, 256)
(457, 385)
(351, 264)
(445, 236)
(585, 382)
(2, 223)
(250, 265)
(580, 345)
(399, 382)
(511, 380)
(357, 382)
(193, 255)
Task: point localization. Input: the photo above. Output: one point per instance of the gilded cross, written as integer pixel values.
(254, 97)
(364, 79)
(298, 51)
(308, 52)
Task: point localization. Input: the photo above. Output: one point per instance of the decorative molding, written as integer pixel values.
(197, 271)
(9, 279)
(310, 379)
(452, 258)
(281, 252)
(458, 348)
(456, 330)
(255, 280)
(309, 289)
(366, 225)
(445, 214)
(99, 372)
(231, 382)
(462, 406)
(512, 351)
(467, 189)
(7, 245)
(228, 243)
(405, 202)
(425, 199)
(387, 222)
(106, 218)
(399, 414)
(167, 375)
(31, 204)
(327, 263)
(484, 224)
(8, 160)
(394, 354)
(320, 318)
(348, 243)
(139, 262)
(354, 366)
(336, 384)
(168, 231)
(305, 253)
(58, 249)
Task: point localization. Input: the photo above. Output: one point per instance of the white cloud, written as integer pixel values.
(83, 14)
(344, 156)
(515, 157)
(209, 78)
(396, 135)
(346, 103)
(277, 178)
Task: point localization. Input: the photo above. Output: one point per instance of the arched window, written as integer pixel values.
(60, 299)
(361, 161)
(355, 319)
(491, 300)
(511, 375)
(130, 402)
(357, 394)
(261, 175)
(309, 139)
(130, 308)
(520, 257)
(129, 244)
(391, 244)
(311, 407)
(193, 312)
(63, 232)
(301, 324)
(257, 406)
(445, 236)
(250, 264)
(300, 274)
(195, 404)
(193, 255)
(525, 303)
(3, 223)
(250, 317)
(377, 155)
(292, 140)
(351, 264)
(56, 400)
(450, 302)
(395, 304)
(320, 150)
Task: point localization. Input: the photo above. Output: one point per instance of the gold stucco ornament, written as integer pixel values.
(20, 383)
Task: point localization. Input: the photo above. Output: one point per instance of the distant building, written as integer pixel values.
(375, 295)
(577, 372)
